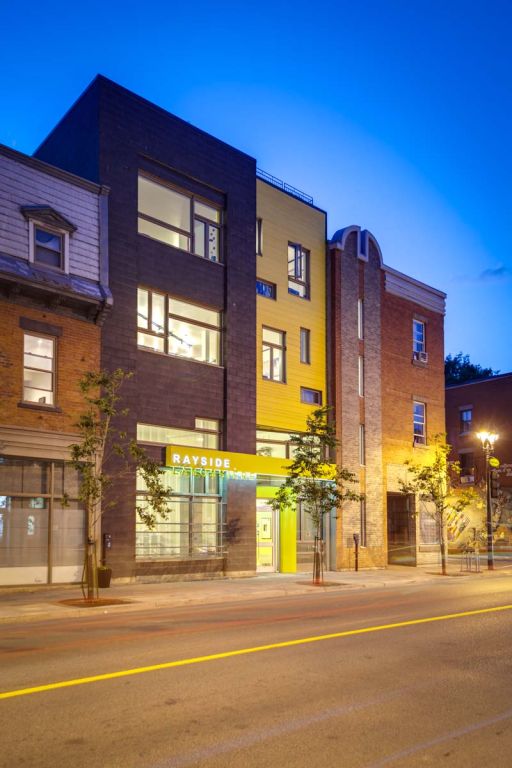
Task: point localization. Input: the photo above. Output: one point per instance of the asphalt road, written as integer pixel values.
(432, 693)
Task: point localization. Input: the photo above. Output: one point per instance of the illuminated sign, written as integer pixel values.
(224, 461)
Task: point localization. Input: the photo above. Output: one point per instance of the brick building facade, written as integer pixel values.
(53, 299)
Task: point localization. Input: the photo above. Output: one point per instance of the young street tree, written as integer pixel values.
(100, 441)
(313, 482)
(434, 483)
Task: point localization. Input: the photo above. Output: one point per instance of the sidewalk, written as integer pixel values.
(19, 604)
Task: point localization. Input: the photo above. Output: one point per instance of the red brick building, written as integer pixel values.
(472, 407)
(387, 389)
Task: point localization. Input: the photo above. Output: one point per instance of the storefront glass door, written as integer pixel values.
(266, 536)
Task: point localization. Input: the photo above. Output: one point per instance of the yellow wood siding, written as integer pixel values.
(286, 219)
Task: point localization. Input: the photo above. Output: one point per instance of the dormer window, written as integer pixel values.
(49, 234)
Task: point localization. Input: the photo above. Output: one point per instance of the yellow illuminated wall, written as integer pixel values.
(287, 219)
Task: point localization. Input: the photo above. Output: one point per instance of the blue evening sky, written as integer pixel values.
(393, 114)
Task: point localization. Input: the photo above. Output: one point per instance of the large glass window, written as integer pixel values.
(419, 419)
(298, 271)
(38, 369)
(179, 219)
(176, 327)
(205, 435)
(273, 354)
(194, 523)
(273, 443)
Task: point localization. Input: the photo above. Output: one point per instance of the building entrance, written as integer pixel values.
(266, 536)
(401, 530)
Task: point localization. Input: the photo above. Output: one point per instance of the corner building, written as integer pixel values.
(182, 273)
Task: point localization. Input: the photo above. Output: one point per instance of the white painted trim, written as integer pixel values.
(413, 290)
(33, 222)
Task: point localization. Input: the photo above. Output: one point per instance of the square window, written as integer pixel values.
(266, 289)
(179, 219)
(310, 396)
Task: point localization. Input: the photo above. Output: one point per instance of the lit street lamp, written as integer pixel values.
(488, 439)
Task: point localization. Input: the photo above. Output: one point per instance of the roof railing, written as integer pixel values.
(284, 186)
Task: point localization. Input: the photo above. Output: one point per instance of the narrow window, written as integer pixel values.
(360, 319)
(360, 376)
(362, 445)
(419, 350)
(305, 345)
(419, 429)
(298, 271)
(259, 237)
(48, 248)
(466, 420)
(310, 396)
(38, 369)
(273, 352)
(362, 526)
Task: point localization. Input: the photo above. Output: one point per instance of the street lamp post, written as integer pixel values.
(488, 439)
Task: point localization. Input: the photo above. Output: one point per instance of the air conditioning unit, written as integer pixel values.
(421, 356)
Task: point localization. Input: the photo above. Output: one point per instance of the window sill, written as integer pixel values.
(273, 381)
(419, 363)
(422, 446)
(178, 357)
(181, 250)
(38, 407)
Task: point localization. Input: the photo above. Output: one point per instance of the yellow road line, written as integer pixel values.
(244, 651)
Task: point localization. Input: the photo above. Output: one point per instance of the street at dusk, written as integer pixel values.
(407, 694)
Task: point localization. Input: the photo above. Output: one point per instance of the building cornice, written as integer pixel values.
(413, 290)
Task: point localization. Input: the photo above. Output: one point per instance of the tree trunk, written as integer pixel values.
(443, 545)
(318, 571)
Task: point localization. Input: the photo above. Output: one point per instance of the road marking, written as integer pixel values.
(245, 651)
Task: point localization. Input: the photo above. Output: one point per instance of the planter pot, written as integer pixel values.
(104, 576)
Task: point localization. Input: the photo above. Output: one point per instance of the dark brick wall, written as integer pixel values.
(170, 392)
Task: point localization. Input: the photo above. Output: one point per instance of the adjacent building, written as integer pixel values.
(387, 389)
(482, 405)
(54, 297)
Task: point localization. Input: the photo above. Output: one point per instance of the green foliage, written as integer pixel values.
(312, 481)
(435, 483)
(100, 441)
(458, 369)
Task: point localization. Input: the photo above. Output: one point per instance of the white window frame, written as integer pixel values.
(360, 375)
(34, 224)
(360, 319)
(53, 371)
(419, 347)
(419, 438)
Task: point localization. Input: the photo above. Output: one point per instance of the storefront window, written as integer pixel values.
(193, 526)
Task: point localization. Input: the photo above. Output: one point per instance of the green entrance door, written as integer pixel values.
(266, 534)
